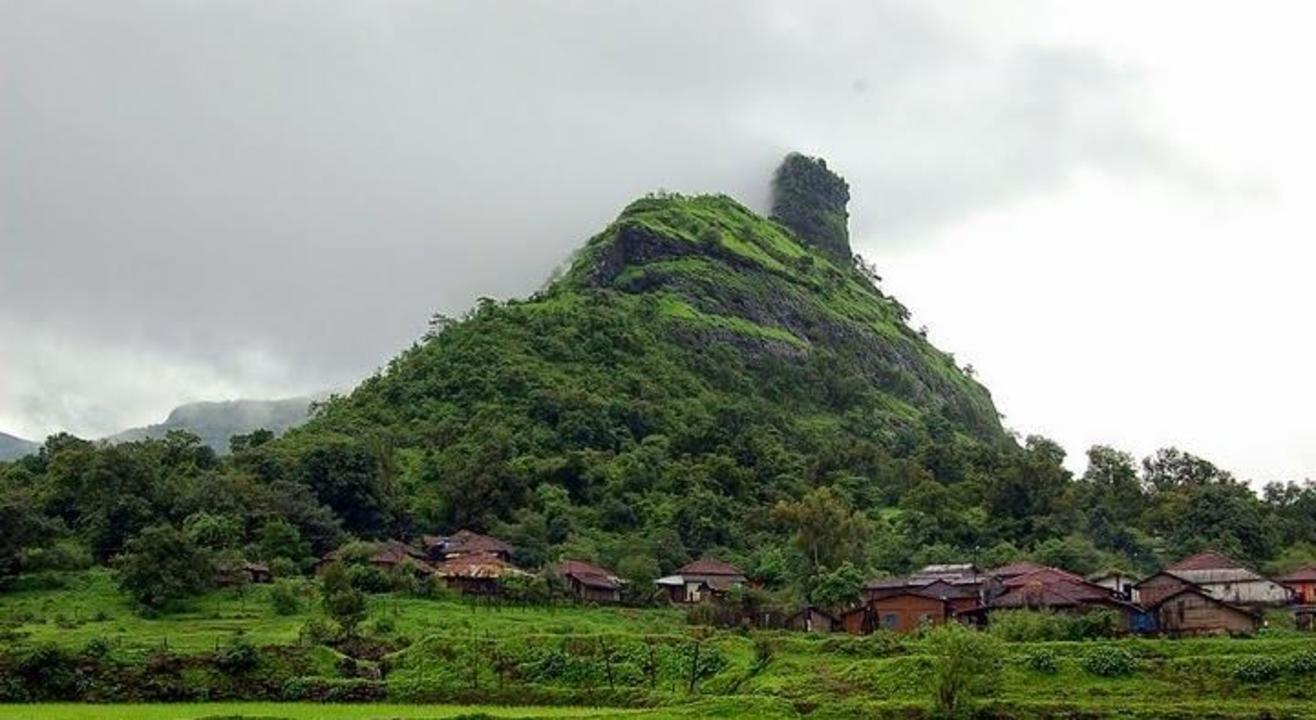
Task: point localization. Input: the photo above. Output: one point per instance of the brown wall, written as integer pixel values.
(1156, 588)
(857, 623)
(1304, 593)
(906, 613)
(594, 594)
(1193, 614)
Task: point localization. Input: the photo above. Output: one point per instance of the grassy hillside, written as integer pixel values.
(450, 651)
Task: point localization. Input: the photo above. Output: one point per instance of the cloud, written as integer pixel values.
(186, 184)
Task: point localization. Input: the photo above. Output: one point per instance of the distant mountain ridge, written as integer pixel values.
(216, 421)
(15, 447)
(213, 421)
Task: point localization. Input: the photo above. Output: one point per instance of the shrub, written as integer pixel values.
(965, 663)
(238, 657)
(283, 598)
(1108, 661)
(1043, 660)
(1256, 669)
(333, 690)
(1303, 663)
(96, 647)
(1029, 626)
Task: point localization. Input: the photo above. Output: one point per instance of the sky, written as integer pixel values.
(1105, 208)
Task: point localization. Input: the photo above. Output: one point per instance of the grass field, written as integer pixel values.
(291, 711)
(90, 607)
(561, 661)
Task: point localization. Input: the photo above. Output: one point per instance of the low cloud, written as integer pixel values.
(211, 200)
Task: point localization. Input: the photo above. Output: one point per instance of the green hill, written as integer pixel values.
(695, 364)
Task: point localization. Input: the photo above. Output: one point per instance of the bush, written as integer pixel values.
(1256, 669)
(965, 663)
(1303, 663)
(1042, 660)
(284, 599)
(240, 656)
(333, 690)
(1108, 661)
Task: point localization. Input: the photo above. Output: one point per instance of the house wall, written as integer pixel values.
(906, 613)
(1193, 614)
(1304, 593)
(858, 622)
(594, 594)
(1157, 588)
(1252, 592)
(811, 621)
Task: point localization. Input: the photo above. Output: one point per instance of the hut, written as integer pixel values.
(814, 620)
(701, 580)
(1303, 584)
(477, 574)
(589, 582)
(908, 611)
(1194, 611)
(465, 542)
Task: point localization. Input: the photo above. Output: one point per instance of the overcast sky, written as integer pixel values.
(1104, 207)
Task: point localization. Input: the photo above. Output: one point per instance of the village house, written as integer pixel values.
(1303, 584)
(908, 611)
(1117, 582)
(701, 580)
(465, 542)
(243, 573)
(960, 584)
(477, 574)
(1216, 575)
(386, 556)
(814, 620)
(1193, 611)
(588, 582)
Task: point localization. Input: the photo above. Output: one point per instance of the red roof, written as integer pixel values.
(1209, 560)
(1042, 574)
(1301, 575)
(709, 566)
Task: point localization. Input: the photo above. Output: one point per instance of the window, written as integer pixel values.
(890, 621)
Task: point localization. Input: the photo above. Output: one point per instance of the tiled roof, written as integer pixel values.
(588, 574)
(1305, 574)
(479, 566)
(467, 542)
(1209, 560)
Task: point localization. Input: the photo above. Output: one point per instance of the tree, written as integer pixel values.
(23, 526)
(827, 532)
(965, 664)
(279, 538)
(342, 602)
(162, 565)
(839, 587)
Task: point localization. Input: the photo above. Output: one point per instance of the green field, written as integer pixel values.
(291, 711)
(450, 658)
